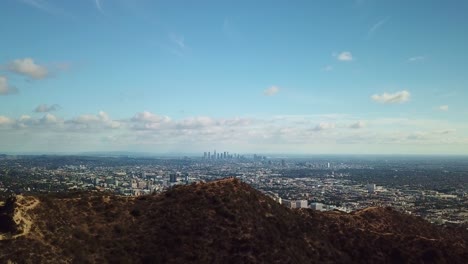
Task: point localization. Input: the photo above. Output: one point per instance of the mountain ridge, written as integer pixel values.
(224, 221)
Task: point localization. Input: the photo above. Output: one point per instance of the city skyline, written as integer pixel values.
(321, 77)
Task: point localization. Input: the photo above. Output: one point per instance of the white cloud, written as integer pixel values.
(101, 120)
(5, 88)
(445, 131)
(444, 108)
(328, 68)
(50, 122)
(324, 126)
(43, 108)
(149, 121)
(357, 125)
(376, 26)
(196, 122)
(98, 5)
(25, 121)
(417, 136)
(85, 119)
(236, 122)
(49, 119)
(149, 117)
(392, 98)
(416, 58)
(5, 121)
(149, 131)
(178, 40)
(344, 56)
(29, 68)
(271, 91)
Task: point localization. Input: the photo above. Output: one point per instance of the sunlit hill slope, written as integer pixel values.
(224, 221)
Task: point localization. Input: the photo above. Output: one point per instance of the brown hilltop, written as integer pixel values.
(224, 221)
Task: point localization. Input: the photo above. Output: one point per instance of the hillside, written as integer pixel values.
(224, 221)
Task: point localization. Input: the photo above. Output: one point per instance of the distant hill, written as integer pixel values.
(224, 221)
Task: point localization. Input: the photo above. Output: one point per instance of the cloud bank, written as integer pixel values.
(358, 125)
(153, 132)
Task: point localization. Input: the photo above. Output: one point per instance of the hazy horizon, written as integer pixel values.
(244, 154)
(357, 77)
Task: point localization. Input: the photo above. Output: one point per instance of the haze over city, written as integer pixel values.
(309, 77)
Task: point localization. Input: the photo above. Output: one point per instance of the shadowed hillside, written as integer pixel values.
(224, 221)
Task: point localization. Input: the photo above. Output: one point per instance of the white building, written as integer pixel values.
(301, 204)
(317, 206)
(295, 203)
(274, 196)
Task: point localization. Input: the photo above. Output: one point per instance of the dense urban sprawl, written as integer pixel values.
(432, 187)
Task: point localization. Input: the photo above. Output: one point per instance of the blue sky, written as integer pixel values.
(364, 77)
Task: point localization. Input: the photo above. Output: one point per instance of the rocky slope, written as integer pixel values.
(225, 221)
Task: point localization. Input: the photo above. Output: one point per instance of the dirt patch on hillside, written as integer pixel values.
(22, 217)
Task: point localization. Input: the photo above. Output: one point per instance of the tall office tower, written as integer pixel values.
(204, 155)
(225, 154)
(173, 177)
(209, 155)
(371, 187)
(283, 163)
(214, 154)
(217, 156)
(328, 165)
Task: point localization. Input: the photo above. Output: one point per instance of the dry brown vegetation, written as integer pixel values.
(219, 222)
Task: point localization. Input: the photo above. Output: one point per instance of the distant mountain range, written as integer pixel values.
(223, 221)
